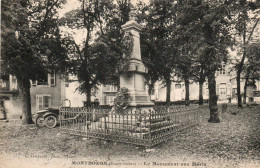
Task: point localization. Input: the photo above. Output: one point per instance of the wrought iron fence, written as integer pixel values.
(140, 126)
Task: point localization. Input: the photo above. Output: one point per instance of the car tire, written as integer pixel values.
(39, 121)
(50, 121)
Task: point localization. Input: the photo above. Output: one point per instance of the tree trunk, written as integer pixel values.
(245, 88)
(88, 96)
(187, 92)
(213, 106)
(240, 67)
(239, 100)
(168, 91)
(118, 83)
(24, 92)
(2, 108)
(201, 92)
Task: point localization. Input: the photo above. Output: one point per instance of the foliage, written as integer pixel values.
(204, 31)
(30, 43)
(157, 41)
(86, 60)
(114, 37)
(253, 63)
(122, 99)
(97, 60)
(245, 20)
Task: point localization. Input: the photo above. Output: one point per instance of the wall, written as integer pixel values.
(9, 95)
(13, 107)
(76, 98)
(177, 91)
(54, 92)
(223, 82)
(73, 95)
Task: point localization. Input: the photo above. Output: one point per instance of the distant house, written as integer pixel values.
(9, 98)
(225, 89)
(103, 94)
(250, 89)
(48, 90)
(108, 93)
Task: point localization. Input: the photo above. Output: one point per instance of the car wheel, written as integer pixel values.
(39, 121)
(50, 121)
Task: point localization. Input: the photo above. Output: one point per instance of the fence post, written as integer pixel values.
(87, 124)
(150, 131)
(105, 127)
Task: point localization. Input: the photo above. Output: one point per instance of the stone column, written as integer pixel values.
(134, 78)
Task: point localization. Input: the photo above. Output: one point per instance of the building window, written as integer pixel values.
(222, 70)
(67, 81)
(110, 100)
(51, 78)
(42, 79)
(45, 79)
(112, 88)
(222, 91)
(34, 82)
(177, 86)
(43, 102)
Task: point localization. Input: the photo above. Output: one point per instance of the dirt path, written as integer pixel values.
(232, 143)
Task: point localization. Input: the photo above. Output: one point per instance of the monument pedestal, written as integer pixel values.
(134, 79)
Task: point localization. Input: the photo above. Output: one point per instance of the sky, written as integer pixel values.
(74, 4)
(78, 35)
(70, 5)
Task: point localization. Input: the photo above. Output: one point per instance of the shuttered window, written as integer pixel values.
(43, 102)
(51, 78)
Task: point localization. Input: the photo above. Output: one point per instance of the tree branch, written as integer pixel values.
(78, 50)
(252, 31)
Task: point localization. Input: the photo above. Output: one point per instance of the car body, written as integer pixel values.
(47, 117)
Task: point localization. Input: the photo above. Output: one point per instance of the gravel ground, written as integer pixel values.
(232, 143)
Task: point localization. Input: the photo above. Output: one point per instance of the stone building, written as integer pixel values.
(48, 91)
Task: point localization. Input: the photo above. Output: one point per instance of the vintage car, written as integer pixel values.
(49, 117)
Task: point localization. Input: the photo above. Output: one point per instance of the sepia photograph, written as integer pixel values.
(130, 83)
